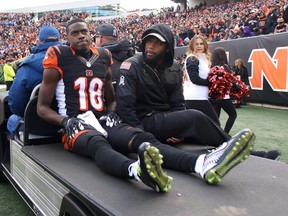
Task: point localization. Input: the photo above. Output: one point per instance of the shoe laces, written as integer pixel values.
(133, 170)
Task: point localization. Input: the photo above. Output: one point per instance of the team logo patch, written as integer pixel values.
(122, 81)
(125, 65)
(89, 73)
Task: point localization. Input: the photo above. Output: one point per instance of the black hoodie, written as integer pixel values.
(143, 90)
(165, 32)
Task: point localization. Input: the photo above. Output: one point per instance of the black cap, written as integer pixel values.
(107, 30)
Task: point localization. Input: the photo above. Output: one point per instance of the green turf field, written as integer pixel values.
(2, 87)
(269, 125)
(11, 204)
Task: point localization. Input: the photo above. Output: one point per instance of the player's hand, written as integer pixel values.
(174, 140)
(72, 126)
(112, 119)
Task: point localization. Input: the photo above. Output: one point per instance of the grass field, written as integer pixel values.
(11, 204)
(269, 125)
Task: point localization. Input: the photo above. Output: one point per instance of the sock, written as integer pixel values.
(133, 171)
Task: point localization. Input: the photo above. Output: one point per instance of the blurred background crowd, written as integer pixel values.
(228, 21)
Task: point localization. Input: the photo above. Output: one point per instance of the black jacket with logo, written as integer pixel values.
(143, 89)
(121, 51)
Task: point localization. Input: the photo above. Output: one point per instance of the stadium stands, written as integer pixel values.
(226, 21)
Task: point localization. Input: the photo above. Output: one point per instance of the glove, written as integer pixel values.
(112, 119)
(72, 126)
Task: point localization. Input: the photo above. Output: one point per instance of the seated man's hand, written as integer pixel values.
(72, 126)
(112, 119)
(174, 140)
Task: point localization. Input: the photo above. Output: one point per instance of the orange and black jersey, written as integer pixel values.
(81, 84)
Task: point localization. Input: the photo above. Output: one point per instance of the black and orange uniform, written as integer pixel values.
(79, 89)
(86, 82)
(83, 90)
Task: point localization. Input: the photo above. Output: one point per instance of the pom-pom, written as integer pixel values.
(222, 82)
(241, 90)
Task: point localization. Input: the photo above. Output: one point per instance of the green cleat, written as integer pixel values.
(149, 169)
(231, 153)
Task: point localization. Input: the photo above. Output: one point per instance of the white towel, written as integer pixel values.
(90, 119)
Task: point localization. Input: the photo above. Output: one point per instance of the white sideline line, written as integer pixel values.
(268, 106)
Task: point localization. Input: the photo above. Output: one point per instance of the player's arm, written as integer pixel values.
(126, 96)
(46, 94)
(51, 76)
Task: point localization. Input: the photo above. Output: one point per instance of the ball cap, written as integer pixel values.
(160, 37)
(48, 34)
(106, 30)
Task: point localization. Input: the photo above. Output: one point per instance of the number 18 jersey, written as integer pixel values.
(81, 84)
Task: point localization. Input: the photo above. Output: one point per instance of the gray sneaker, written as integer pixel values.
(231, 153)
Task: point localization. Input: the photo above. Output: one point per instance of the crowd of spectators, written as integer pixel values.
(227, 21)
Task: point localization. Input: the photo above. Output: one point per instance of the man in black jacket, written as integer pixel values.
(107, 36)
(204, 164)
(150, 96)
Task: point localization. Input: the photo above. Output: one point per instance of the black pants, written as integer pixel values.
(91, 143)
(8, 85)
(229, 108)
(192, 125)
(204, 106)
(173, 158)
(200, 130)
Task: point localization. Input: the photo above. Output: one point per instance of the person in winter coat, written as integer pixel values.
(9, 74)
(241, 70)
(29, 75)
(246, 32)
(107, 37)
(281, 26)
(150, 96)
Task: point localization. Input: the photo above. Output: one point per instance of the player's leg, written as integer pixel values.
(191, 124)
(212, 166)
(149, 165)
(215, 165)
(229, 108)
